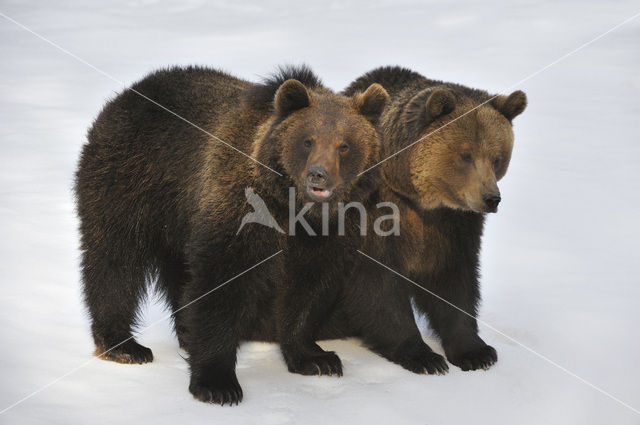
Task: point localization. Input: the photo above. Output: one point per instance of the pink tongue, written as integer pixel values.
(318, 191)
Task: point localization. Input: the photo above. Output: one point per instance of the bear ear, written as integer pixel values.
(291, 96)
(428, 105)
(510, 106)
(372, 102)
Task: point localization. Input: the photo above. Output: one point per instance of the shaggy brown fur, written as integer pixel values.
(443, 186)
(158, 197)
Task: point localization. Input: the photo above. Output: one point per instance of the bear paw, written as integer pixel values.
(325, 363)
(477, 358)
(128, 352)
(428, 362)
(218, 391)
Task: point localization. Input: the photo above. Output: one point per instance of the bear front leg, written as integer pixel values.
(220, 303)
(398, 340)
(458, 330)
(304, 303)
(379, 310)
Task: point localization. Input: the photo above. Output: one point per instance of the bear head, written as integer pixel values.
(459, 142)
(320, 141)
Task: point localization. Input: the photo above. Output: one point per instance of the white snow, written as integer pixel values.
(559, 262)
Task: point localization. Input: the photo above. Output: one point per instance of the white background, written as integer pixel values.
(559, 260)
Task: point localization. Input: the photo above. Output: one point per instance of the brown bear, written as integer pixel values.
(443, 186)
(162, 198)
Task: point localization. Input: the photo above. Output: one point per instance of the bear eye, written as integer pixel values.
(344, 147)
(496, 162)
(466, 157)
(308, 143)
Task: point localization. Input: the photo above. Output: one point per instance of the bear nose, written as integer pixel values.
(491, 200)
(317, 175)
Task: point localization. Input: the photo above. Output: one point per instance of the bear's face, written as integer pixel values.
(459, 165)
(326, 139)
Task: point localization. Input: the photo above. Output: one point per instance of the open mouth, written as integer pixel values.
(319, 193)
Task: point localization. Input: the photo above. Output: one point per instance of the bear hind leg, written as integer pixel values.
(113, 289)
(172, 279)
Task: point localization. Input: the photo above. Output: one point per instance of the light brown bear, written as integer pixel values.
(448, 145)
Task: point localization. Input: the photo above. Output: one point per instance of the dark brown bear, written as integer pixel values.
(443, 186)
(159, 198)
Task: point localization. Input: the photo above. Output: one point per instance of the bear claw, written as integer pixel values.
(475, 359)
(428, 363)
(221, 394)
(327, 363)
(129, 352)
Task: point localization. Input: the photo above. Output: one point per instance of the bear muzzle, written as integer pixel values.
(318, 187)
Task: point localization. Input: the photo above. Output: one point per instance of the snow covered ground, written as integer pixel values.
(560, 260)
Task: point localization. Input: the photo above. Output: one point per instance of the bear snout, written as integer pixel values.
(491, 201)
(317, 175)
(318, 188)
